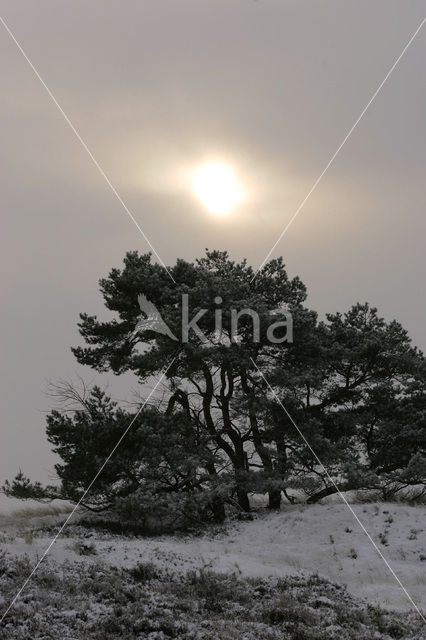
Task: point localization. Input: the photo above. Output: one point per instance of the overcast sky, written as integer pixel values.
(271, 87)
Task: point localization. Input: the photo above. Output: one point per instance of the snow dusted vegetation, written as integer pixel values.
(306, 572)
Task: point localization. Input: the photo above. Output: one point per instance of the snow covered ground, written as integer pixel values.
(300, 540)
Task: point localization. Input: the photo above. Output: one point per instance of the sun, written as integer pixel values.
(217, 187)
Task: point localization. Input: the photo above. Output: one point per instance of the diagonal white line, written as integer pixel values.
(120, 440)
(342, 496)
(86, 148)
(333, 157)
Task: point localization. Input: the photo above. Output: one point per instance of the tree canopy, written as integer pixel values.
(240, 408)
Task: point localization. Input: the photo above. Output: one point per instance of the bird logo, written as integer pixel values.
(153, 320)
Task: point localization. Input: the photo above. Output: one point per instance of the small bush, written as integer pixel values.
(144, 572)
(383, 539)
(84, 548)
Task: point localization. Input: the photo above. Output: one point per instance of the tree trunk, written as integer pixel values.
(274, 499)
(217, 504)
(218, 509)
(243, 499)
(328, 491)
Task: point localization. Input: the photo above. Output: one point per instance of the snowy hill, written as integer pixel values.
(302, 540)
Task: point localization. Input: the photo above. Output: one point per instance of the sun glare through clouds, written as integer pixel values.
(218, 188)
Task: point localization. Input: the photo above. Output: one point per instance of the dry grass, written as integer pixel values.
(77, 601)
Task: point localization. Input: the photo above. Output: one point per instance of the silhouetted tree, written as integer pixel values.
(353, 385)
